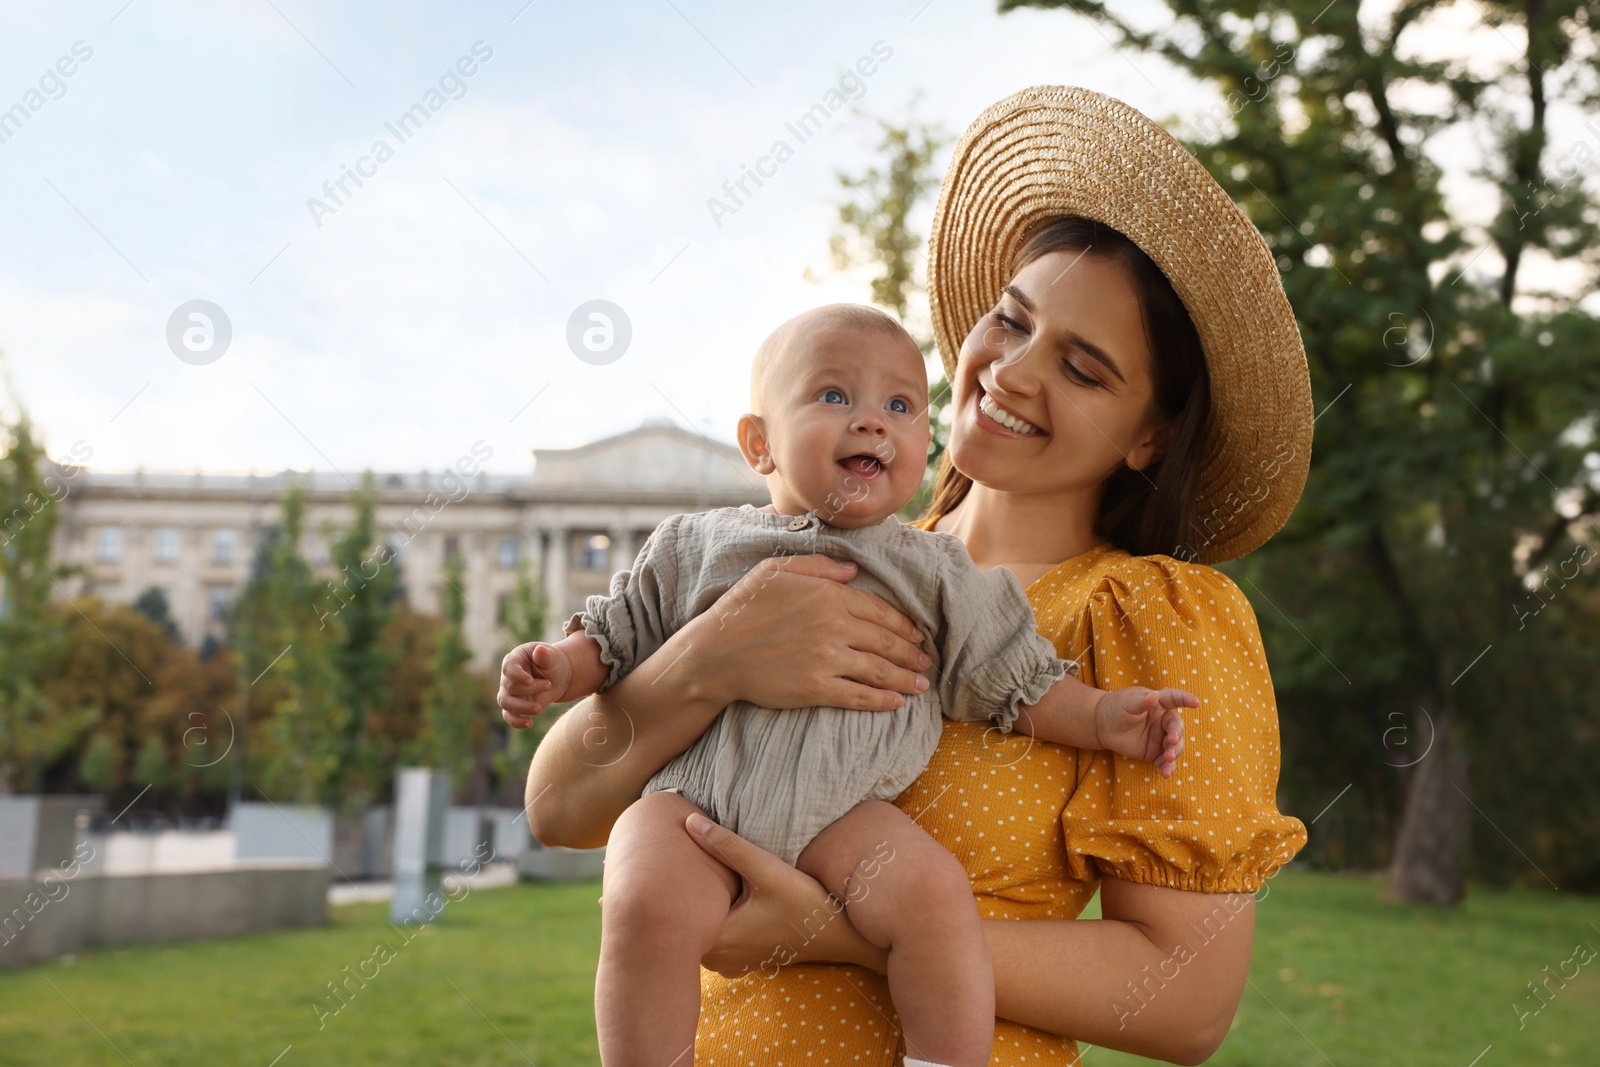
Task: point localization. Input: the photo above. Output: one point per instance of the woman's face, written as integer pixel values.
(1052, 390)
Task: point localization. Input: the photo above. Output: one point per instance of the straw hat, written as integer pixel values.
(1052, 151)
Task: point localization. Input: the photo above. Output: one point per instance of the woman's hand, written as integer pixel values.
(783, 915)
(792, 634)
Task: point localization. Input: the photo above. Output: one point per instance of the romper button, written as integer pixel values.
(799, 523)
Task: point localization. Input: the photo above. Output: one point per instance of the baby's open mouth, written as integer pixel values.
(863, 466)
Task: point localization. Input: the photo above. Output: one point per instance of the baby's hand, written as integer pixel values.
(1144, 724)
(532, 677)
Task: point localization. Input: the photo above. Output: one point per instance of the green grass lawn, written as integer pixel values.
(507, 978)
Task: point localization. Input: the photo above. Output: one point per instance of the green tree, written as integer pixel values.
(152, 604)
(451, 707)
(874, 229)
(526, 610)
(1448, 497)
(361, 595)
(286, 645)
(30, 488)
(119, 688)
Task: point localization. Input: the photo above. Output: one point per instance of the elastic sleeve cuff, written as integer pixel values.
(1197, 856)
(615, 651)
(1027, 689)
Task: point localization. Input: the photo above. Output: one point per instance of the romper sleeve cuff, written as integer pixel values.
(1017, 681)
(609, 624)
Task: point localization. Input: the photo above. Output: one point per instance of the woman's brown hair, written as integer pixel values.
(1142, 512)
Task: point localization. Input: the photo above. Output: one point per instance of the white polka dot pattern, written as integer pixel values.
(1037, 825)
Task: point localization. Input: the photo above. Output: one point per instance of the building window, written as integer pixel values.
(219, 598)
(397, 541)
(166, 545)
(452, 547)
(222, 544)
(591, 551)
(508, 553)
(110, 549)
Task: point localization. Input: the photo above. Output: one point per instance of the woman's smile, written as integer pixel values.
(998, 420)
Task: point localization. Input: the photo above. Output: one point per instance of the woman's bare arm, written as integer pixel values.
(789, 634)
(1160, 975)
(1120, 982)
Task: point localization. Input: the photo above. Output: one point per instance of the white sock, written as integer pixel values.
(909, 1062)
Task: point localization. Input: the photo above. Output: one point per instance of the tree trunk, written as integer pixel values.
(1429, 865)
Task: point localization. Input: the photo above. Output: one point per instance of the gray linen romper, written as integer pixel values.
(779, 777)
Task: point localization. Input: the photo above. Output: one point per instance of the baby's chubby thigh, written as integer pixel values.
(895, 880)
(658, 885)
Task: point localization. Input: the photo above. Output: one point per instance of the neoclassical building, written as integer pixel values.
(580, 515)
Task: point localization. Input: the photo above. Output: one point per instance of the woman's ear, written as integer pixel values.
(754, 444)
(1153, 447)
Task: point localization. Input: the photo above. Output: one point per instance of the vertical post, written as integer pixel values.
(420, 797)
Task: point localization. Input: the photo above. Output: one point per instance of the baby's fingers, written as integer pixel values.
(519, 714)
(1177, 698)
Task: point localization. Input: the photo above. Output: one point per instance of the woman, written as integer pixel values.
(1128, 390)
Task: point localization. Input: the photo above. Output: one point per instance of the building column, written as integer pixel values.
(553, 578)
(623, 548)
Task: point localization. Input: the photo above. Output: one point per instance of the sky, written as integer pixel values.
(562, 154)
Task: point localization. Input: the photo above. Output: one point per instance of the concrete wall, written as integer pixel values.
(282, 832)
(540, 863)
(40, 831)
(45, 918)
(163, 852)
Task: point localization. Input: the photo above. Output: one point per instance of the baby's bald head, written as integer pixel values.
(782, 357)
(838, 421)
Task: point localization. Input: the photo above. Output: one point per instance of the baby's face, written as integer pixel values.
(846, 423)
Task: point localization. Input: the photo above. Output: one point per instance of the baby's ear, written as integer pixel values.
(753, 443)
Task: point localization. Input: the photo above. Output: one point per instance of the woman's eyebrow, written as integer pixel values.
(1096, 353)
(1019, 296)
(1093, 351)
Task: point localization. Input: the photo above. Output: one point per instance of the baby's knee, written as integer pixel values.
(935, 883)
(653, 872)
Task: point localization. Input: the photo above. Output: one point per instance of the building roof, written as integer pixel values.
(657, 461)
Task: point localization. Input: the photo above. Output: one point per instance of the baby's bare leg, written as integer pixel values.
(905, 893)
(664, 902)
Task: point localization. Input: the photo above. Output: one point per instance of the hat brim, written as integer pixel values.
(1054, 151)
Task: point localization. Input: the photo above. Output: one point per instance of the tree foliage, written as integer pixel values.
(361, 595)
(453, 721)
(1452, 494)
(29, 630)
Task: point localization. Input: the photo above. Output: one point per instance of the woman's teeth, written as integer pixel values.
(1009, 421)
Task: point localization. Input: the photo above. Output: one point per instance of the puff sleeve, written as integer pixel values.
(638, 614)
(992, 659)
(1214, 826)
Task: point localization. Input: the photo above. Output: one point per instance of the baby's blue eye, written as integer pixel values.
(899, 406)
(832, 396)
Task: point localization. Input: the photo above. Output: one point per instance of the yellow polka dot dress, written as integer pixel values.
(1037, 825)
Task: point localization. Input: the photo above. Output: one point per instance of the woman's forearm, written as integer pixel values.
(1160, 976)
(598, 755)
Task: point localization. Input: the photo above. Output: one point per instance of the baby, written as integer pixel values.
(839, 427)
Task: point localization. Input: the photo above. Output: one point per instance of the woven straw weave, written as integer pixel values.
(1052, 151)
